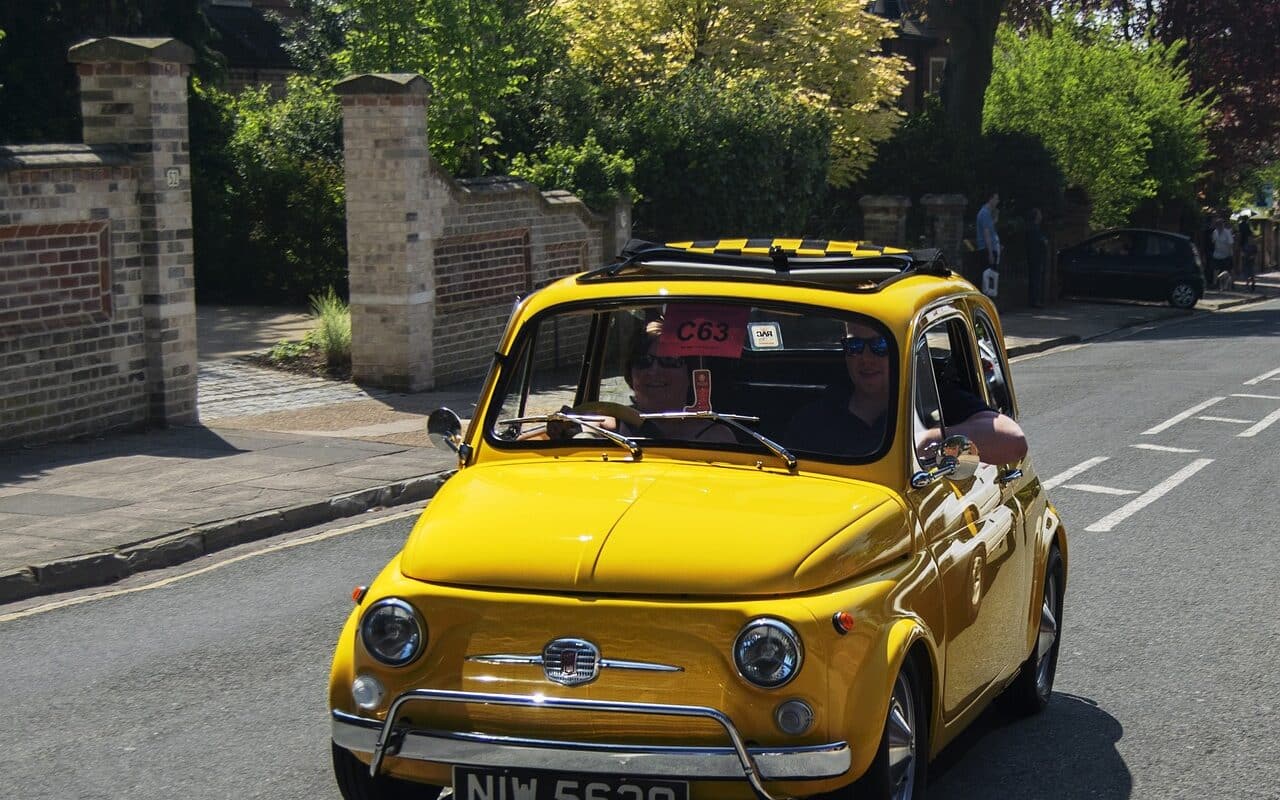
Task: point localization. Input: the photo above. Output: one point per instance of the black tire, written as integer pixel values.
(355, 784)
(900, 768)
(1183, 295)
(1030, 691)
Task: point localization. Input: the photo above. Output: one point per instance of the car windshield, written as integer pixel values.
(796, 380)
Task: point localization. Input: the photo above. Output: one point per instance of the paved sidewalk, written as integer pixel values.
(278, 452)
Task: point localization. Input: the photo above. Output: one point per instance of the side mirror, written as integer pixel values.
(444, 429)
(958, 455)
(957, 460)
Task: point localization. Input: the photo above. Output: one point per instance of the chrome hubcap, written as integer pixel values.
(1048, 636)
(1183, 295)
(902, 739)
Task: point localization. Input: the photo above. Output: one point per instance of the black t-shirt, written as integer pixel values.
(827, 426)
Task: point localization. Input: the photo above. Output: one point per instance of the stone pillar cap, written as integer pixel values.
(131, 49)
(940, 199)
(884, 200)
(384, 83)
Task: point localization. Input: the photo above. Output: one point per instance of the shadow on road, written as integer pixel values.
(1069, 751)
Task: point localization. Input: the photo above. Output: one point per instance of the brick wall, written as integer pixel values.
(97, 313)
(446, 258)
(72, 358)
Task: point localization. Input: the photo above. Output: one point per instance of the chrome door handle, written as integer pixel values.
(1010, 476)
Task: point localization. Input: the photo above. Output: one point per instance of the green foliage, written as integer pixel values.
(823, 54)
(1022, 170)
(332, 331)
(1118, 117)
(289, 351)
(268, 192)
(716, 155)
(596, 176)
(928, 156)
(479, 55)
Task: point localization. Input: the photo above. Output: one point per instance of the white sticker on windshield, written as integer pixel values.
(764, 335)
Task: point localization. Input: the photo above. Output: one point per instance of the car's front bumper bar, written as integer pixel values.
(736, 761)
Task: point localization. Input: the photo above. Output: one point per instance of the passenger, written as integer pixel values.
(851, 420)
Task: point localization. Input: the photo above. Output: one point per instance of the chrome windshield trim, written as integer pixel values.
(784, 763)
(605, 663)
(810, 762)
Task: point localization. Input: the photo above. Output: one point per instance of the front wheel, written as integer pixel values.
(1183, 295)
(899, 770)
(1029, 693)
(355, 783)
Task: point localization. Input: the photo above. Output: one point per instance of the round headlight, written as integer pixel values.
(767, 653)
(393, 632)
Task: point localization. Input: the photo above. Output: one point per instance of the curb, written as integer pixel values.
(109, 566)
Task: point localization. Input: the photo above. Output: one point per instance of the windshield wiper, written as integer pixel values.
(734, 421)
(590, 422)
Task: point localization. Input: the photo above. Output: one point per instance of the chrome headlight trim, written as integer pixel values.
(411, 614)
(772, 626)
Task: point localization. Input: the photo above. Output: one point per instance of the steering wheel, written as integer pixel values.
(624, 414)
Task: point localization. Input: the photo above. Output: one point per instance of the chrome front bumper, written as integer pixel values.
(736, 761)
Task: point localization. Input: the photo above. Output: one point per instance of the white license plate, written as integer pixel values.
(471, 783)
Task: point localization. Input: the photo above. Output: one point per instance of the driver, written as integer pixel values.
(658, 384)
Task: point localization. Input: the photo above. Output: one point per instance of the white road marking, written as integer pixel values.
(1164, 449)
(1190, 412)
(315, 537)
(1266, 376)
(1258, 396)
(1063, 477)
(1232, 420)
(1148, 497)
(1262, 425)
(1089, 487)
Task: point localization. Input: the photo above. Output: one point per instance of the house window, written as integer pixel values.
(937, 68)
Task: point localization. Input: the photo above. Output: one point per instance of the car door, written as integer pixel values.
(1160, 266)
(973, 528)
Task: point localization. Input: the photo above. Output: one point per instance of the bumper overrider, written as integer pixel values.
(735, 761)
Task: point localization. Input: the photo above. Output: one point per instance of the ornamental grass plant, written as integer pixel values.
(332, 332)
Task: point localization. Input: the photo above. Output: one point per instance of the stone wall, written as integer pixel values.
(97, 315)
(436, 264)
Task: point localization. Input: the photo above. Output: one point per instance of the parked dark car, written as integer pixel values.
(1134, 263)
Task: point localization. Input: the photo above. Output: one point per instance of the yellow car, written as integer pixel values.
(720, 529)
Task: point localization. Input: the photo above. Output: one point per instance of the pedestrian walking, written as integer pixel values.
(1037, 259)
(1224, 244)
(989, 244)
(1248, 254)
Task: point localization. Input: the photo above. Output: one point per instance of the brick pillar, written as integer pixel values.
(946, 225)
(617, 229)
(391, 218)
(884, 219)
(133, 92)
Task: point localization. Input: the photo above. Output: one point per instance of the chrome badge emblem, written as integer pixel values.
(571, 662)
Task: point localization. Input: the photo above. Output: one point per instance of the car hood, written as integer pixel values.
(652, 528)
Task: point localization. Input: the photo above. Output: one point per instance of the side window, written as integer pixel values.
(946, 391)
(928, 406)
(995, 371)
(1119, 244)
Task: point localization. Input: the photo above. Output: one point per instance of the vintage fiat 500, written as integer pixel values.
(713, 534)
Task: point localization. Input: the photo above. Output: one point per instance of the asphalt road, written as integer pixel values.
(208, 681)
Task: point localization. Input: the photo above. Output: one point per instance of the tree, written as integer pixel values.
(1231, 51)
(1120, 118)
(40, 99)
(970, 26)
(479, 55)
(824, 53)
